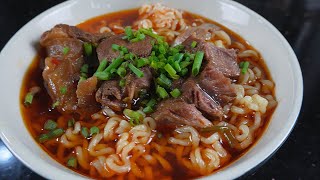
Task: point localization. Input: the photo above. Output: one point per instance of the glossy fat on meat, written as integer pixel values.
(62, 70)
(193, 94)
(86, 90)
(141, 48)
(173, 113)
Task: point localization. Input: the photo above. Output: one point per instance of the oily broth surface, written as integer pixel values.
(36, 115)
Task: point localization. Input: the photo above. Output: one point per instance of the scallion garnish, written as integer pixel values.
(193, 44)
(87, 48)
(162, 93)
(121, 71)
(65, 50)
(122, 82)
(72, 162)
(115, 47)
(102, 65)
(28, 99)
(135, 70)
(50, 135)
(147, 109)
(134, 117)
(63, 90)
(50, 125)
(244, 67)
(94, 130)
(171, 71)
(197, 63)
(85, 132)
(55, 104)
(175, 93)
(71, 122)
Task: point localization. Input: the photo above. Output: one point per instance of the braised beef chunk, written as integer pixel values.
(216, 84)
(109, 94)
(134, 84)
(86, 90)
(64, 31)
(193, 94)
(202, 32)
(225, 60)
(171, 113)
(62, 71)
(141, 48)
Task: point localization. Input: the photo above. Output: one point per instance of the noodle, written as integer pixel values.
(123, 151)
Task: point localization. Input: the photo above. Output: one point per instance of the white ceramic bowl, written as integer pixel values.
(280, 59)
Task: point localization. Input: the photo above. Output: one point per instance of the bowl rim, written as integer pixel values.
(266, 154)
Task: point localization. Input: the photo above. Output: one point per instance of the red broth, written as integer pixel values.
(40, 111)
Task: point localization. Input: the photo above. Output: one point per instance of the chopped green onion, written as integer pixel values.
(115, 47)
(63, 90)
(128, 32)
(184, 71)
(139, 37)
(171, 71)
(147, 109)
(71, 122)
(50, 125)
(84, 68)
(114, 64)
(193, 44)
(72, 162)
(175, 93)
(185, 64)
(122, 82)
(162, 92)
(103, 76)
(55, 104)
(102, 65)
(85, 132)
(50, 135)
(197, 63)
(151, 34)
(121, 71)
(241, 64)
(129, 56)
(94, 130)
(178, 57)
(124, 49)
(65, 50)
(142, 62)
(245, 67)
(162, 49)
(164, 81)
(176, 66)
(135, 70)
(87, 48)
(28, 98)
(134, 116)
(151, 103)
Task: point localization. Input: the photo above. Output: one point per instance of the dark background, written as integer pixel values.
(297, 20)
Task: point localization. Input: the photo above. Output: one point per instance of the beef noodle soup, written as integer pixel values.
(148, 93)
